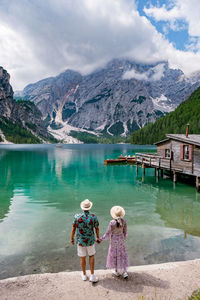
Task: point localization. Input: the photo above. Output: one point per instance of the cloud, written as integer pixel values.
(135, 75)
(157, 72)
(42, 38)
(153, 74)
(185, 10)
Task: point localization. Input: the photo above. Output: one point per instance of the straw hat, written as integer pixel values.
(117, 211)
(86, 204)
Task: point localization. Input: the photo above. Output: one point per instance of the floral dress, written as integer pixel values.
(117, 255)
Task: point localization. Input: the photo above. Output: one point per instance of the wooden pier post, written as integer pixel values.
(136, 169)
(198, 183)
(161, 172)
(143, 167)
(174, 177)
(157, 172)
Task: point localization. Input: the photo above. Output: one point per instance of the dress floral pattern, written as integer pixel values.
(85, 223)
(117, 255)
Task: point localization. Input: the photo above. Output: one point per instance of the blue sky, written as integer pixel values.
(43, 38)
(179, 38)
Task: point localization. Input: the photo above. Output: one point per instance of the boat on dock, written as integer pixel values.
(114, 161)
(129, 159)
(120, 159)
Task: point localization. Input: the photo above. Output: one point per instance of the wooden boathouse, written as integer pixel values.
(177, 154)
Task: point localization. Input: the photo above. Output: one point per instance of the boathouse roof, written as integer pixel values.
(193, 139)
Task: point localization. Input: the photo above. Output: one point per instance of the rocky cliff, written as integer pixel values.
(117, 99)
(20, 121)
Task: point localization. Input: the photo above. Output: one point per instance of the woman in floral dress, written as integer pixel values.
(117, 258)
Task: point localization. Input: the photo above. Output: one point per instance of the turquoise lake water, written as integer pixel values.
(41, 187)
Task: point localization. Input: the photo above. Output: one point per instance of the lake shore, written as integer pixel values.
(174, 280)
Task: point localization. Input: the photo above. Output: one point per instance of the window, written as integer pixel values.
(186, 152)
(167, 153)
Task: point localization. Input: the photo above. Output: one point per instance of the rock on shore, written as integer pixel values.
(162, 281)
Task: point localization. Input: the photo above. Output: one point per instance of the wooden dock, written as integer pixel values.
(161, 164)
(177, 154)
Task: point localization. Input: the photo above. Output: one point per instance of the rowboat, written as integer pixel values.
(129, 159)
(117, 161)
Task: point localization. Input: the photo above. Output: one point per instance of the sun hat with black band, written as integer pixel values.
(86, 204)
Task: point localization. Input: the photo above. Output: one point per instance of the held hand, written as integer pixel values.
(98, 241)
(72, 241)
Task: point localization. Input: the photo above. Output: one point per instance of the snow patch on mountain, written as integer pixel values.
(163, 104)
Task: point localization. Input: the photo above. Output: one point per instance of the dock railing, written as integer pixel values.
(153, 160)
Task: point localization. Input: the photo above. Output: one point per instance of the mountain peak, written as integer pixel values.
(114, 100)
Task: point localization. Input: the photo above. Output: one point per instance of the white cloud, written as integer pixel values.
(135, 75)
(42, 38)
(157, 72)
(163, 13)
(153, 74)
(187, 10)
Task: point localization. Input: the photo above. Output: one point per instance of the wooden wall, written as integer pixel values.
(196, 160)
(188, 167)
(161, 148)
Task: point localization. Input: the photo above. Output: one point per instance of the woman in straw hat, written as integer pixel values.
(117, 258)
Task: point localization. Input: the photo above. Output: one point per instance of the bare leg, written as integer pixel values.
(83, 264)
(91, 262)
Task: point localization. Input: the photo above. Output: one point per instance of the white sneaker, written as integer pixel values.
(83, 276)
(115, 273)
(125, 275)
(93, 278)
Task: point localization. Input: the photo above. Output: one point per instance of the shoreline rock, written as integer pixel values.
(174, 280)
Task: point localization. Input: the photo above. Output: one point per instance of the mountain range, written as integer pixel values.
(115, 100)
(21, 121)
(174, 122)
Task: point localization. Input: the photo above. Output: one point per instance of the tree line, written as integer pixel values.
(174, 122)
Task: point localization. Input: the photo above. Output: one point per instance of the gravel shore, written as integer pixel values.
(176, 280)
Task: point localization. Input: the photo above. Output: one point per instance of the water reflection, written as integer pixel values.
(61, 157)
(179, 211)
(178, 205)
(6, 186)
(41, 189)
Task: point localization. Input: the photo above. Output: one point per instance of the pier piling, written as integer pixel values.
(136, 169)
(157, 172)
(174, 177)
(198, 183)
(143, 167)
